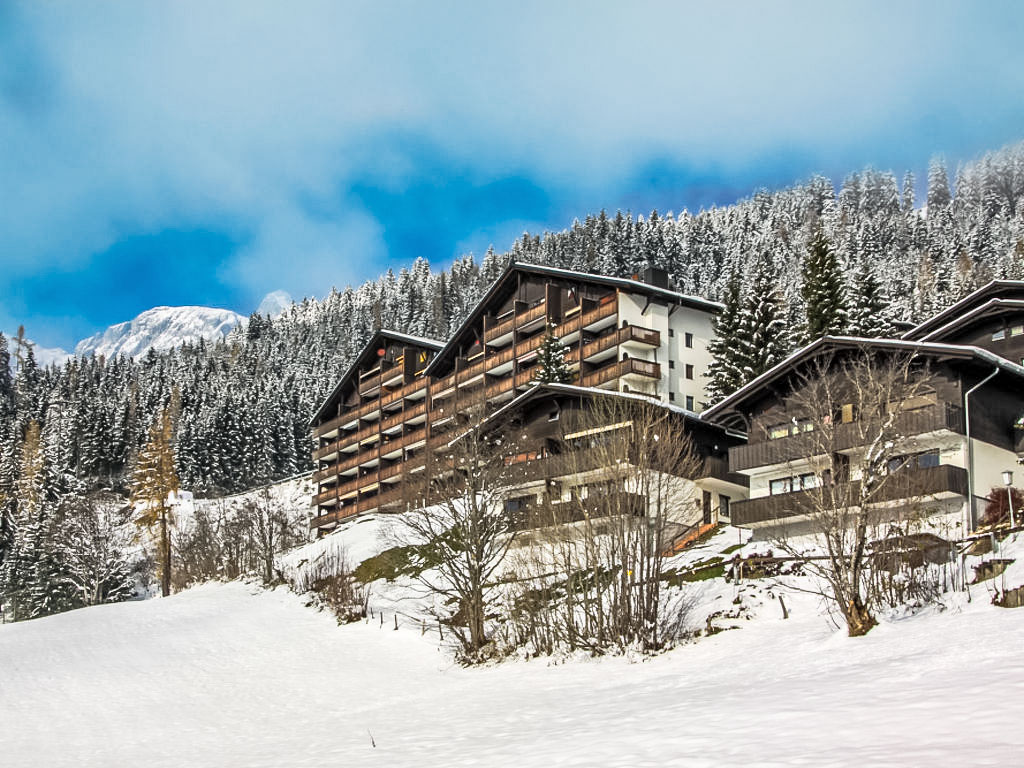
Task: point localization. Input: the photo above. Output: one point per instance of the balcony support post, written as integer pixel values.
(972, 507)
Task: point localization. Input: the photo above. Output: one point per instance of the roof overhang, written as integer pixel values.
(513, 268)
(994, 289)
(374, 340)
(828, 344)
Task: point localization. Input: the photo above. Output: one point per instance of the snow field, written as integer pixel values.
(227, 674)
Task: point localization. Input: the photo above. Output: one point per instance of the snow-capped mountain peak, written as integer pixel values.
(274, 303)
(160, 328)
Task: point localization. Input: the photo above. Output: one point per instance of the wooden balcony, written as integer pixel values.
(467, 373)
(718, 469)
(607, 308)
(332, 424)
(500, 387)
(635, 333)
(514, 321)
(628, 367)
(402, 416)
(907, 484)
(352, 461)
(631, 333)
(382, 500)
(844, 437)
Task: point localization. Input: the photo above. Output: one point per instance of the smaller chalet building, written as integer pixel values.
(961, 430)
(401, 395)
(559, 418)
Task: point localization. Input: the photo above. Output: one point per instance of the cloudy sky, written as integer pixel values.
(201, 153)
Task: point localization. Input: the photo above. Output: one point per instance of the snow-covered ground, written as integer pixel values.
(229, 675)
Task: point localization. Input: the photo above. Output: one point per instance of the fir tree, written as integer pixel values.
(938, 186)
(823, 290)
(762, 338)
(868, 307)
(551, 365)
(725, 374)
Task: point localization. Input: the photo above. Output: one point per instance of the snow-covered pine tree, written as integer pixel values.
(868, 308)
(551, 365)
(725, 374)
(823, 290)
(762, 336)
(938, 185)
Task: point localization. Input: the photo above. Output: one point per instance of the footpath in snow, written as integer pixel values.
(228, 675)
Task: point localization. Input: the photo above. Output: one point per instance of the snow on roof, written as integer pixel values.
(572, 389)
(961, 350)
(954, 310)
(967, 316)
(695, 302)
(381, 332)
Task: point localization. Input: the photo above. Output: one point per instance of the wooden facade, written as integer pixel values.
(400, 397)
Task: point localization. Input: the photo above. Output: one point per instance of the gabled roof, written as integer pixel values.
(538, 390)
(989, 308)
(827, 343)
(374, 341)
(633, 286)
(969, 305)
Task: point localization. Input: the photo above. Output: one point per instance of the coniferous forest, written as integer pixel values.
(788, 265)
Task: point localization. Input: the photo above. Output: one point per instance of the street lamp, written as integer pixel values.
(1008, 481)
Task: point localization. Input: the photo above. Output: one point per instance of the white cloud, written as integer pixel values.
(256, 117)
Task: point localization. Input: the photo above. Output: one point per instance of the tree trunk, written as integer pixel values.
(165, 556)
(859, 620)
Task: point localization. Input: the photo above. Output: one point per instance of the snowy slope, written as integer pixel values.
(160, 328)
(226, 675)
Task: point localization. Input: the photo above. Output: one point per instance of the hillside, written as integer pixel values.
(246, 401)
(226, 674)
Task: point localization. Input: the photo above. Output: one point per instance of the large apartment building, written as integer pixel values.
(402, 393)
(959, 432)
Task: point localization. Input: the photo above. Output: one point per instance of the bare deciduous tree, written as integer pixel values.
(853, 416)
(457, 508)
(596, 564)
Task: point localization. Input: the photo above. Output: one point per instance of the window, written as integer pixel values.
(999, 335)
(779, 430)
(688, 339)
(1017, 330)
(689, 402)
(672, 364)
(802, 482)
(689, 371)
(671, 333)
(723, 505)
(671, 397)
(809, 480)
(928, 459)
(553, 416)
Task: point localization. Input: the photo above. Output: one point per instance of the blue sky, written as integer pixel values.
(178, 153)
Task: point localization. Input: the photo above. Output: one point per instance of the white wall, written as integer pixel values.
(673, 329)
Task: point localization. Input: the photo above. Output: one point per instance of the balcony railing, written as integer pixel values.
(388, 498)
(403, 416)
(605, 309)
(805, 445)
(910, 484)
(515, 321)
(629, 367)
(642, 335)
(354, 460)
(620, 336)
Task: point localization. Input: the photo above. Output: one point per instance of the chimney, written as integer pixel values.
(654, 276)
